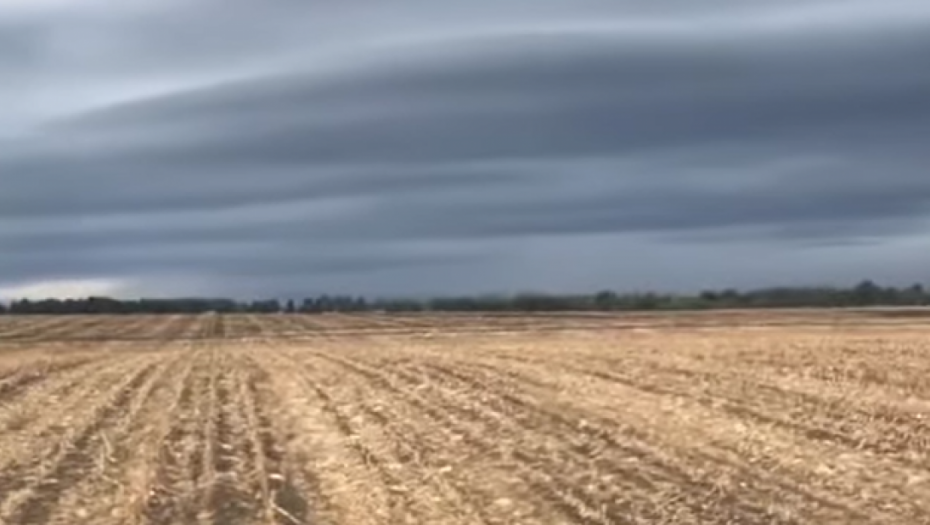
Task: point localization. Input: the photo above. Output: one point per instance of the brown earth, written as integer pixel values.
(741, 417)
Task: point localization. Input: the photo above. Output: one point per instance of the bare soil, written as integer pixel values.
(739, 417)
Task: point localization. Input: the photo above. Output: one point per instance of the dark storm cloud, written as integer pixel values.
(663, 126)
(18, 47)
(247, 260)
(542, 96)
(417, 126)
(808, 202)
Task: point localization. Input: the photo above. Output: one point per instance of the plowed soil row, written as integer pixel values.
(223, 420)
(141, 328)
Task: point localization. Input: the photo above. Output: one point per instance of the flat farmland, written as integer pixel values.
(739, 417)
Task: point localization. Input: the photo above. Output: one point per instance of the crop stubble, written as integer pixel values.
(463, 419)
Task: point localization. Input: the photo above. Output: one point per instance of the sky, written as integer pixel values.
(259, 149)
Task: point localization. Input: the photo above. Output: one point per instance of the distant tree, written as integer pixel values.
(605, 300)
(270, 306)
(866, 293)
(360, 304)
(647, 301)
(914, 295)
(23, 306)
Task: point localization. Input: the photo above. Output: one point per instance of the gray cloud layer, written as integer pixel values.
(427, 149)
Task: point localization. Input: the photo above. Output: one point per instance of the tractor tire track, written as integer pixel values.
(230, 500)
(274, 481)
(333, 452)
(174, 480)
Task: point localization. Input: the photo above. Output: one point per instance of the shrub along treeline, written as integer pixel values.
(865, 293)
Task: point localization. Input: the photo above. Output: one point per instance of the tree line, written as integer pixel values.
(866, 293)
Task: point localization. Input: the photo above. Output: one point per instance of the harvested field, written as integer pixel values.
(797, 417)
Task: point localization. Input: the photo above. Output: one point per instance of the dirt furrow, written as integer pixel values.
(242, 419)
(206, 441)
(18, 415)
(231, 501)
(12, 326)
(227, 453)
(134, 327)
(801, 429)
(273, 480)
(348, 424)
(173, 481)
(348, 486)
(732, 455)
(41, 421)
(104, 492)
(17, 383)
(141, 473)
(29, 330)
(833, 422)
(604, 435)
(77, 326)
(541, 464)
(35, 502)
(517, 448)
(396, 440)
(177, 328)
(296, 326)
